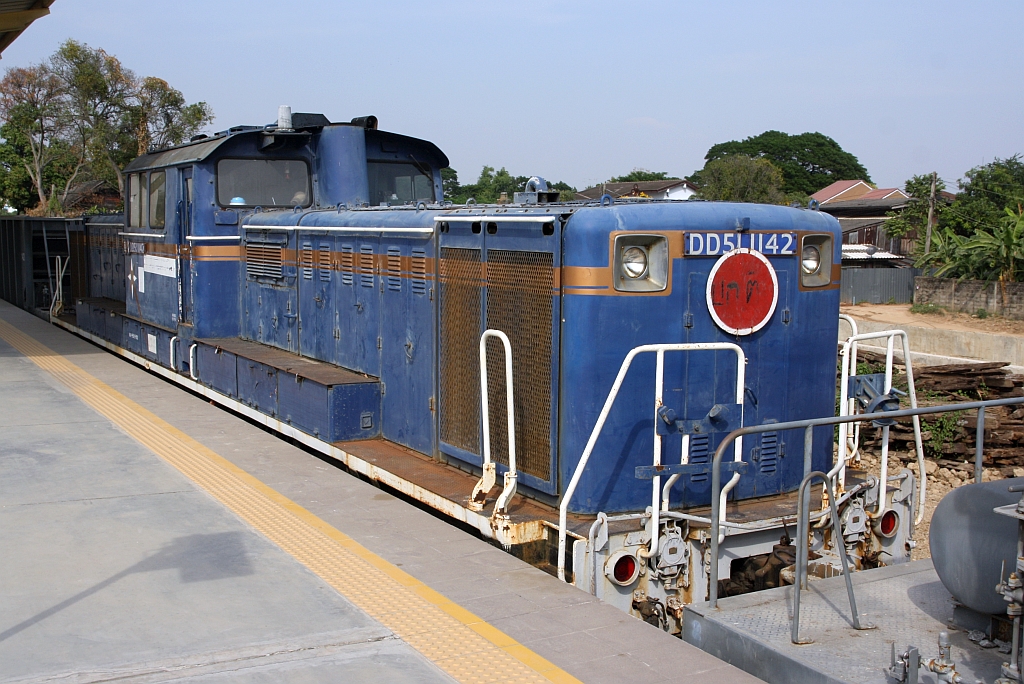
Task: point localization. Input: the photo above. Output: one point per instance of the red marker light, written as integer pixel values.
(625, 569)
(889, 523)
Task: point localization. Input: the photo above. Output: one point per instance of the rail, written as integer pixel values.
(849, 355)
(489, 475)
(808, 425)
(800, 581)
(660, 350)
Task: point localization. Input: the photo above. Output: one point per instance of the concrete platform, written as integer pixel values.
(907, 604)
(148, 535)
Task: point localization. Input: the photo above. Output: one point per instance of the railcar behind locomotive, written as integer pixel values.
(309, 275)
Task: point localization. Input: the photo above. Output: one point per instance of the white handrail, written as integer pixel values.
(845, 410)
(192, 362)
(486, 482)
(170, 351)
(849, 446)
(660, 349)
(57, 302)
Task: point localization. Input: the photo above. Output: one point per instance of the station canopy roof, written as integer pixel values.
(16, 15)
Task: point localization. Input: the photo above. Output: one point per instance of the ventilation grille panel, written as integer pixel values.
(419, 271)
(324, 262)
(366, 265)
(306, 260)
(699, 454)
(394, 269)
(461, 302)
(769, 456)
(519, 303)
(263, 259)
(348, 264)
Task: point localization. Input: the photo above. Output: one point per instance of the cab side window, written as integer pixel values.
(157, 199)
(135, 201)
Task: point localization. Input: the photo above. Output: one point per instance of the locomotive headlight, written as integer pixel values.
(640, 262)
(810, 259)
(634, 262)
(816, 267)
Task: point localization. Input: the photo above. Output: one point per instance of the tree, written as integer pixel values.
(449, 182)
(808, 161)
(985, 194)
(83, 116)
(739, 178)
(33, 107)
(164, 119)
(914, 216)
(491, 184)
(641, 175)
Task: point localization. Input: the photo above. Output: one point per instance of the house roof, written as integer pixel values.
(831, 193)
(623, 189)
(882, 193)
(863, 208)
(16, 15)
(867, 252)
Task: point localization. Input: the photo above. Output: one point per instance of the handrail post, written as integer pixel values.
(803, 522)
(487, 478)
(979, 445)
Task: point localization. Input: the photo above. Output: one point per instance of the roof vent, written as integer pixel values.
(368, 122)
(536, 192)
(284, 118)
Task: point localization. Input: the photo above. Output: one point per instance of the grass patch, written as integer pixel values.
(927, 308)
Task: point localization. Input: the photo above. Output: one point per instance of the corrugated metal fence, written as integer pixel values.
(878, 285)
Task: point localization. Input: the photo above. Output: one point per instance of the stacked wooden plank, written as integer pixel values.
(950, 440)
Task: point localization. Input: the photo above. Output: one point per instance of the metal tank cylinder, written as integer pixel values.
(969, 542)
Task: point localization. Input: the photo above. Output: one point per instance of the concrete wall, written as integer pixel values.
(953, 346)
(971, 295)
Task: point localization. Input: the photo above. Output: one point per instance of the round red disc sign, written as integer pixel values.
(742, 291)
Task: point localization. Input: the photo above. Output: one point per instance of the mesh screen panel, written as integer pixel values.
(460, 292)
(519, 301)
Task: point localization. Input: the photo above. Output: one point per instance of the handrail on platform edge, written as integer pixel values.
(808, 425)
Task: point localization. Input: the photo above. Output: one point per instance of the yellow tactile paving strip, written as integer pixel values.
(460, 643)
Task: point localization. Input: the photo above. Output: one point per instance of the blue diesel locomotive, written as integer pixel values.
(309, 275)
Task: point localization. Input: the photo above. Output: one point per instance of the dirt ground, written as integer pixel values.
(941, 481)
(900, 314)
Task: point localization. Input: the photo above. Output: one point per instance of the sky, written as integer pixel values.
(583, 91)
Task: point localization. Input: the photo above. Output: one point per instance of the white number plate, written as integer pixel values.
(714, 244)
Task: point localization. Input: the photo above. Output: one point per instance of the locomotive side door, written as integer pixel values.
(270, 305)
(407, 331)
(316, 327)
(184, 253)
(356, 323)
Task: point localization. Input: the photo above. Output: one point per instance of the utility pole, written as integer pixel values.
(931, 216)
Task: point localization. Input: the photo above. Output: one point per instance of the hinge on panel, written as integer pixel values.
(785, 316)
(430, 403)
(378, 343)
(687, 320)
(431, 294)
(382, 388)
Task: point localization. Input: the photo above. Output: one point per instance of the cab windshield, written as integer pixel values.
(398, 183)
(263, 183)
